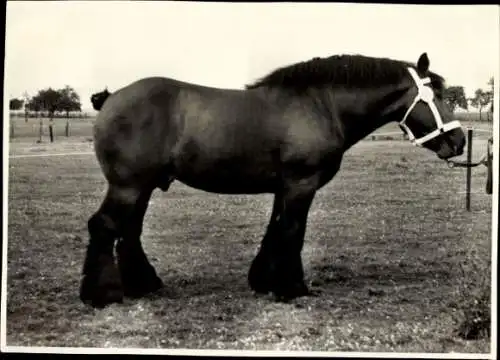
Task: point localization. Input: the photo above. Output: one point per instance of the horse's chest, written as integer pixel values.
(307, 141)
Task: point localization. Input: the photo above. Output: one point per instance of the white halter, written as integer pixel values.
(426, 95)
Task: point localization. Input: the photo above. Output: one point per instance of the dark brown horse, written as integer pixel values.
(285, 135)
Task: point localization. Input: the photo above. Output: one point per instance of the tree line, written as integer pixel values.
(455, 97)
(49, 100)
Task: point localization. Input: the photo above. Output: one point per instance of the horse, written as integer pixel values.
(284, 134)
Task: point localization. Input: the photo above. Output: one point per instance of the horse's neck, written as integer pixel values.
(364, 112)
(357, 113)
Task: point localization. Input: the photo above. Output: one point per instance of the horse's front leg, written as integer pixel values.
(262, 265)
(288, 277)
(278, 266)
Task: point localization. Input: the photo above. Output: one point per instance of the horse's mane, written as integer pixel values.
(346, 71)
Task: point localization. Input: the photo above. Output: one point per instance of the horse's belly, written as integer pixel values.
(227, 162)
(229, 180)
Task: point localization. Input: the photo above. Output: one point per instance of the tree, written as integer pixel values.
(26, 101)
(480, 100)
(50, 101)
(16, 104)
(491, 83)
(34, 105)
(69, 100)
(455, 96)
(491, 93)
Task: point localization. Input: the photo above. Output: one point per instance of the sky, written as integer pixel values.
(90, 45)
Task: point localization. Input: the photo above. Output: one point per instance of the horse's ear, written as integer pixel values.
(423, 63)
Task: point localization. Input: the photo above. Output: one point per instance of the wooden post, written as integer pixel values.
(67, 128)
(51, 130)
(489, 162)
(469, 168)
(41, 130)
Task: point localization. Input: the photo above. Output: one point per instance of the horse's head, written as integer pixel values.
(427, 120)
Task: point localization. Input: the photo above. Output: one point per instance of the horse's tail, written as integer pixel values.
(98, 99)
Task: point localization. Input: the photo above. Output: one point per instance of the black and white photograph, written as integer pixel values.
(249, 179)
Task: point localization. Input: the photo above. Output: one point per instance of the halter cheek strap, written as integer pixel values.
(426, 95)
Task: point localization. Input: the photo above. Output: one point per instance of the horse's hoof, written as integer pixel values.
(260, 287)
(316, 292)
(259, 276)
(140, 289)
(292, 291)
(111, 296)
(140, 281)
(262, 294)
(99, 296)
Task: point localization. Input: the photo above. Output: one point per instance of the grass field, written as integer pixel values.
(386, 242)
(474, 116)
(78, 128)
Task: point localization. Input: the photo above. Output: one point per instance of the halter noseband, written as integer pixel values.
(426, 95)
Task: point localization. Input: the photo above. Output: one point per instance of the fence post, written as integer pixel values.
(51, 130)
(67, 127)
(489, 162)
(41, 130)
(469, 169)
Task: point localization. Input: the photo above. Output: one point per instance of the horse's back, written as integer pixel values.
(153, 91)
(151, 120)
(218, 140)
(130, 96)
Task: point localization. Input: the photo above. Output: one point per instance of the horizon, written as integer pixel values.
(229, 45)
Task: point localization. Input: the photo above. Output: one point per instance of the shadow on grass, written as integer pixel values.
(375, 274)
(184, 287)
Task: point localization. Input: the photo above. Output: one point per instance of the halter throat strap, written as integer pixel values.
(426, 95)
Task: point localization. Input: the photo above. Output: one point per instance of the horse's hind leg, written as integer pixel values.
(101, 283)
(138, 275)
(119, 217)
